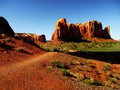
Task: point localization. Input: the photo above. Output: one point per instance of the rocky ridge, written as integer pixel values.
(29, 37)
(75, 32)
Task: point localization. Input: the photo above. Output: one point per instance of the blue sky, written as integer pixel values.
(39, 16)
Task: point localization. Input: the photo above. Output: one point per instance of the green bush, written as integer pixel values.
(88, 81)
(20, 49)
(95, 82)
(58, 64)
(98, 83)
(113, 80)
(65, 72)
(106, 67)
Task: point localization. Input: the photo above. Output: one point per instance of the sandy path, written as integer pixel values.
(29, 75)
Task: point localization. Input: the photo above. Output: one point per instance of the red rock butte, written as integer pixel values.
(75, 32)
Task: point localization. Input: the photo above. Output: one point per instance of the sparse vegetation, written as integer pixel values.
(98, 83)
(74, 62)
(117, 77)
(95, 82)
(58, 64)
(106, 67)
(22, 49)
(91, 65)
(83, 46)
(112, 80)
(88, 81)
(76, 69)
(65, 72)
(104, 51)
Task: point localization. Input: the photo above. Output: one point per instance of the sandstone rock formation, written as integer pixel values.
(5, 27)
(30, 38)
(75, 32)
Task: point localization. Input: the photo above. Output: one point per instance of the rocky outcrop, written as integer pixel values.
(42, 38)
(30, 38)
(5, 28)
(75, 32)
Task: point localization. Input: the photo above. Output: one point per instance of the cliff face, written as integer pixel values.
(5, 27)
(75, 32)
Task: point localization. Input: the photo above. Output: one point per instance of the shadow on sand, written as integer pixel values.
(111, 57)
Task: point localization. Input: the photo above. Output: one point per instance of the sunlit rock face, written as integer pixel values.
(66, 31)
(5, 27)
(75, 32)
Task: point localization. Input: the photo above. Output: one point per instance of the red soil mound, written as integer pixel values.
(13, 50)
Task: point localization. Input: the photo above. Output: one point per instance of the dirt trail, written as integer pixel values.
(29, 75)
(22, 64)
(34, 74)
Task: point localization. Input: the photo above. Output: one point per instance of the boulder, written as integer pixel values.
(5, 28)
(75, 32)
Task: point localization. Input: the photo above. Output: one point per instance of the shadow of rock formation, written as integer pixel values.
(111, 57)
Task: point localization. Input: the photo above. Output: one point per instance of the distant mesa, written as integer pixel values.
(75, 32)
(29, 37)
(5, 28)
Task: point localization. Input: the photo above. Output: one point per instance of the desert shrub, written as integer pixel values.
(85, 62)
(95, 82)
(91, 65)
(65, 72)
(57, 63)
(106, 67)
(117, 77)
(98, 83)
(74, 62)
(113, 80)
(20, 49)
(88, 81)
(88, 64)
